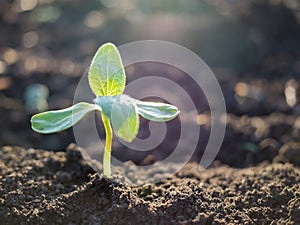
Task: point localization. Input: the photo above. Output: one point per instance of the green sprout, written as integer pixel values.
(118, 111)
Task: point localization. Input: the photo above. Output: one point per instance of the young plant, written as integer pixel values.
(118, 111)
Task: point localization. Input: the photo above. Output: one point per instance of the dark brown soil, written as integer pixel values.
(42, 187)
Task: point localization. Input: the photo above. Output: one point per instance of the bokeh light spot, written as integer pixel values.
(5, 83)
(30, 63)
(94, 19)
(30, 39)
(27, 5)
(291, 92)
(46, 14)
(67, 67)
(2, 67)
(10, 56)
(241, 89)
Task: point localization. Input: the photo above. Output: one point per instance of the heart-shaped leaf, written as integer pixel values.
(122, 113)
(157, 111)
(59, 120)
(106, 74)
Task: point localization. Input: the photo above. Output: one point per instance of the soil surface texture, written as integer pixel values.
(42, 187)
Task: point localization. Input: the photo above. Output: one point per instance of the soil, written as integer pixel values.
(42, 187)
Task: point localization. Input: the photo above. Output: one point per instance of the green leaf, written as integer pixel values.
(59, 120)
(157, 111)
(106, 74)
(122, 113)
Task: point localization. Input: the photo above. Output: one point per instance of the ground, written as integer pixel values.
(42, 187)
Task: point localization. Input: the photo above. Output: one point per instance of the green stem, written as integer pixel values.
(108, 144)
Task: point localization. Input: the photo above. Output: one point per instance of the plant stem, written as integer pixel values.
(108, 144)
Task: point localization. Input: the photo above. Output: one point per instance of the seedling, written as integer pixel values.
(118, 111)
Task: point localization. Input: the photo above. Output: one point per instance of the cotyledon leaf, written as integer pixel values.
(106, 75)
(59, 120)
(157, 111)
(122, 113)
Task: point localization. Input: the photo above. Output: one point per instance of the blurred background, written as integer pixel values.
(253, 47)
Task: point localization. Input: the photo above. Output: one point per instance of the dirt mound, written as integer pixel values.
(41, 187)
